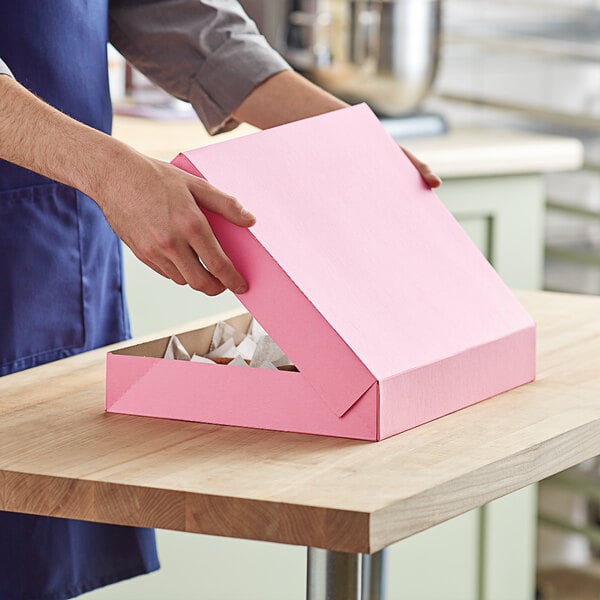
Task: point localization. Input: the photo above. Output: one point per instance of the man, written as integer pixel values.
(60, 262)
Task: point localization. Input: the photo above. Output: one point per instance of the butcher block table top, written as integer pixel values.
(62, 455)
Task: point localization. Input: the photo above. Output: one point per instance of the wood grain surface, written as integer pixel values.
(62, 455)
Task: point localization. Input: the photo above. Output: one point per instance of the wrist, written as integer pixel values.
(105, 161)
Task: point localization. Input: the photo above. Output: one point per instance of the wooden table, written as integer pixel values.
(61, 455)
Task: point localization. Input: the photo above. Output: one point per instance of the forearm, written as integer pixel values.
(36, 136)
(288, 97)
(152, 206)
(284, 98)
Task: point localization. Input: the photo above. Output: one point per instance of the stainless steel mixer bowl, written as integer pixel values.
(384, 52)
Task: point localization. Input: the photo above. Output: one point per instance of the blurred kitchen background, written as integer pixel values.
(502, 98)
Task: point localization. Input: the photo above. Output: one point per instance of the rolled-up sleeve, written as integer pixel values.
(207, 52)
(4, 70)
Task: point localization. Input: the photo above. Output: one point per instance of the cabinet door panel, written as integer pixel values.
(515, 209)
(437, 564)
(479, 229)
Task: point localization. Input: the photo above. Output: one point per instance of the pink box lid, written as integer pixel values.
(355, 266)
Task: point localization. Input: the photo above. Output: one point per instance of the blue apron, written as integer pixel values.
(60, 287)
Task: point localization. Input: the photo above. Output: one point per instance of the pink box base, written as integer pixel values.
(285, 401)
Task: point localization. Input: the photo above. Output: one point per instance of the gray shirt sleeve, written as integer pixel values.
(207, 52)
(4, 70)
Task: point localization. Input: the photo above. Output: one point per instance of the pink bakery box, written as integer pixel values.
(356, 269)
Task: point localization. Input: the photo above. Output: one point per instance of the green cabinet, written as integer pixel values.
(505, 218)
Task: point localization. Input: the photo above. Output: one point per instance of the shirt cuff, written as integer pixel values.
(229, 75)
(4, 70)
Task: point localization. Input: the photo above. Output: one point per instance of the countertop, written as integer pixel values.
(463, 152)
(62, 455)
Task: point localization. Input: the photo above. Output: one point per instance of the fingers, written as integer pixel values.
(159, 218)
(167, 269)
(432, 180)
(206, 246)
(182, 265)
(203, 241)
(186, 270)
(209, 197)
(180, 260)
(196, 276)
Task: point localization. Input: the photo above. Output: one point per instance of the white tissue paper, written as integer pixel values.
(255, 331)
(267, 351)
(266, 365)
(202, 359)
(175, 350)
(224, 332)
(246, 348)
(225, 350)
(255, 347)
(238, 361)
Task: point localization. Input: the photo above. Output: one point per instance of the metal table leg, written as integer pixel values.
(343, 576)
(374, 575)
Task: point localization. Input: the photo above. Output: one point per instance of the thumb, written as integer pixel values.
(209, 197)
(432, 180)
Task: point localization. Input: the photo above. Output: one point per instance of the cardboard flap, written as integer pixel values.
(321, 355)
(355, 266)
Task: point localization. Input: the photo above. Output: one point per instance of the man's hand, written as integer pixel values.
(152, 206)
(288, 96)
(431, 179)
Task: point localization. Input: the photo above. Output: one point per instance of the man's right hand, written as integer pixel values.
(152, 206)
